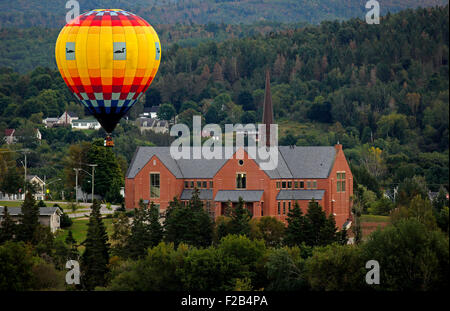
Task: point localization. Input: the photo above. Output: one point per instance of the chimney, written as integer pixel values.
(267, 109)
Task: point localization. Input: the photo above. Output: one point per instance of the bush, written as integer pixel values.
(411, 256)
(65, 221)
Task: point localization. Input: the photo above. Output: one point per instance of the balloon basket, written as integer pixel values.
(109, 141)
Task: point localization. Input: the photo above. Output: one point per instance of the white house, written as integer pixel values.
(87, 124)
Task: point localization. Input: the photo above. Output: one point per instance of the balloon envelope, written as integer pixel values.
(108, 58)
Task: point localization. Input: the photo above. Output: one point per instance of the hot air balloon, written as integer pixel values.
(108, 58)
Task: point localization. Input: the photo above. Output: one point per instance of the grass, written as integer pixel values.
(19, 203)
(79, 230)
(374, 218)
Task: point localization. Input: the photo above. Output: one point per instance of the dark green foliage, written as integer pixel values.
(295, 230)
(7, 227)
(337, 268)
(16, 268)
(95, 259)
(108, 174)
(240, 218)
(65, 221)
(189, 224)
(285, 270)
(411, 257)
(29, 219)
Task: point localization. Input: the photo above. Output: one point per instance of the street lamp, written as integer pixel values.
(93, 179)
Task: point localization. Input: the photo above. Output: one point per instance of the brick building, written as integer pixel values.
(302, 174)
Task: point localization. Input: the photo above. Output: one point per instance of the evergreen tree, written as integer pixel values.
(296, 225)
(8, 227)
(319, 230)
(240, 219)
(29, 219)
(139, 239)
(95, 259)
(73, 253)
(41, 204)
(189, 224)
(120, 235)
(155, 228)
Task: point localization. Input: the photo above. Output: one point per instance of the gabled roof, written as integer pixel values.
(303, 194)
(9, 132)
(293, 162)
(43, 211)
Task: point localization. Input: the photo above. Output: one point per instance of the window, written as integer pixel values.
(278, 185)
(314, 184)
(340, 181)
(284, 208)
(296, 184)
(192, 184)
(289, 206)
(308, 184)
(211, 184)
(302, 184)
(241, 181)
(186, 184)
(283, 185)
(205, 185)
(290, 184)
(262, 208)
(241, 162)
(279, 209)
(120, 51)
(199, 184)
(154, 185)
(70, 50)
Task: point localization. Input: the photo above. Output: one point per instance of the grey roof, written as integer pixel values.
(43, 211)
(293, 162)
(233, 195)
(308, 162)
(304, 194)
(205, 194)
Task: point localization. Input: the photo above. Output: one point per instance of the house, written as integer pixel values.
(151, 112)
(152, 124)
(50, 122)
(48, 216)
(39, 185)
(66, 118)
(302, 174)
(87, 124)
(9, 136)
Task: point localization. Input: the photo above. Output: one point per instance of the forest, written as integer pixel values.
(381, 91)
(51, 13)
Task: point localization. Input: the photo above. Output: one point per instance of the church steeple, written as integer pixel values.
(267, 109)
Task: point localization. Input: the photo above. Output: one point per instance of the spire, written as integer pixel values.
(267, 109)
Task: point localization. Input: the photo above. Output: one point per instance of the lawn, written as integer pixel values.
(19, 203)
(79, 230)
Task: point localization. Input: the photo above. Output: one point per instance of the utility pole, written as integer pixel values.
(76, 184)
(93, 180)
